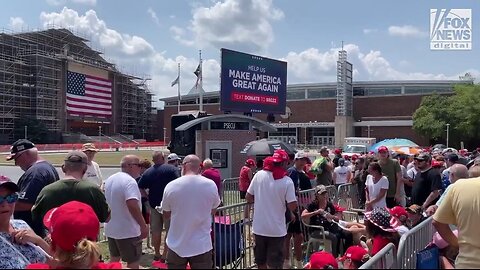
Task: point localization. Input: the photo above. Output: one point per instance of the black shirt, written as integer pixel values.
(31, 183)
(155, 179)
(320, 220)
(424, 184)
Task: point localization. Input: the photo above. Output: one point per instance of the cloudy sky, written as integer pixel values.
(386, 40)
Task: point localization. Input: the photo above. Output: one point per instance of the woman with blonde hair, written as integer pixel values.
(74, 228)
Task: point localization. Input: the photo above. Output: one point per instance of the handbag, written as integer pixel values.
(428, 258)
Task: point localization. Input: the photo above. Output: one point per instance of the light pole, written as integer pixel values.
(99, 131)
(26, 132)
(448, 130)
(164, 136)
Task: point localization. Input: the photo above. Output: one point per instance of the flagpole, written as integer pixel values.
(201, 82)
(179, 97)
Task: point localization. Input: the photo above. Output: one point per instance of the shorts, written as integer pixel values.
(294, 227)
(269, 251)
(157, 222)
(129, 250)
(243, 194)
(202, 261)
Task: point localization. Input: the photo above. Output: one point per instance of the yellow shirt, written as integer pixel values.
(461, 207)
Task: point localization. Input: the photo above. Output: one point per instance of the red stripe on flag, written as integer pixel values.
(99, 97)
(87, 114)
(97, 90)
(98, 84)
(88, 106)
(78, 108)
(90, 101)
(98, 78)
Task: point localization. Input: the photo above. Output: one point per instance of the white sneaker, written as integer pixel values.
(286, 264)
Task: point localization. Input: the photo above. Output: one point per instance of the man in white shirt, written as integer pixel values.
(126, 227)
(271, 198)
(189, 202)
(93, 173)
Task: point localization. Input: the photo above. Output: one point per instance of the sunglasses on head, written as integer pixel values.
(9, 198)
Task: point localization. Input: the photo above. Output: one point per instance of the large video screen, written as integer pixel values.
(251, 83)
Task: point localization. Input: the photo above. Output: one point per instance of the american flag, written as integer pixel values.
(88, 95)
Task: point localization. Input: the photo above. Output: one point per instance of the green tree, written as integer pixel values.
(37, 132)
(430, 118)
(461, 111)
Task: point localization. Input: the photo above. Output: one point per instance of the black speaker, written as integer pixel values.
(270, 118)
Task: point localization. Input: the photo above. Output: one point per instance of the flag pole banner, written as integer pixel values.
(89, 93)
(251, 83)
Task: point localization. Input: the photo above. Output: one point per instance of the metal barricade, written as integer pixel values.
(230, 191)
(233, 239)
(348, 196)
(305, 197)
(413, 242)
(386, 258)
(332, 193)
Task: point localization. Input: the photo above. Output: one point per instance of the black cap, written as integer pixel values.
(423, 157)
(453, 158)
(18, 147)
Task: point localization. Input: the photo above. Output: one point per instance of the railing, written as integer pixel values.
(233, 237)
(386, 258)
(348, 196)
(413, 242)
(230, 191)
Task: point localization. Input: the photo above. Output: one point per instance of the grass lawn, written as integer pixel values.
(102, 158)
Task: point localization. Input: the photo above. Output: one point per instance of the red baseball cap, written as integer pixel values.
(70, 223)
(354, 157)
(382, 149)
(280, 156)
(398, 211)
(320, 259)
(268, 164)
(338, 151)
(354, 253)
(250, 162)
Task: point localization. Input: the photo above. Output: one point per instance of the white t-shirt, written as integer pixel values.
(190, 199)
(374, 190)
(271, 198)
(402, 229)
(93, 174)
(341, 173)
(412, 172)
(119, 188)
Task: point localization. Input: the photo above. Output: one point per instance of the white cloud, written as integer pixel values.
(237, 24)
(17, 24)
(153, 15)
(406, 31)
(135, 55)
(369, 31)
(63, 2)
(56, 2)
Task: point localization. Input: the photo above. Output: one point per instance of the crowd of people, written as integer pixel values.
(48, 222)
(396, 191)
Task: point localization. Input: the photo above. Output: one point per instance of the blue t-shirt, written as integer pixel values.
(155, 179)
(31, 183)
(293, 173)
(9, 251)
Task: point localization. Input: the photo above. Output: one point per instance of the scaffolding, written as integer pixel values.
(33, 68)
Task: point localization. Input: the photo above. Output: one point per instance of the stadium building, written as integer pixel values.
(325, 113)
(54, 78)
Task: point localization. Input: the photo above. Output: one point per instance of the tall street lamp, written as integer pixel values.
(448, 130)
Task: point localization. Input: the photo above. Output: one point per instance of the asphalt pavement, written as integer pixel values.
(14, 172)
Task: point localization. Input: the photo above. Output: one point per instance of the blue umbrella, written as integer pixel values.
(393, 142)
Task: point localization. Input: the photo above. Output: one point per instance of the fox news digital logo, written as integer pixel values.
(450, 29)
